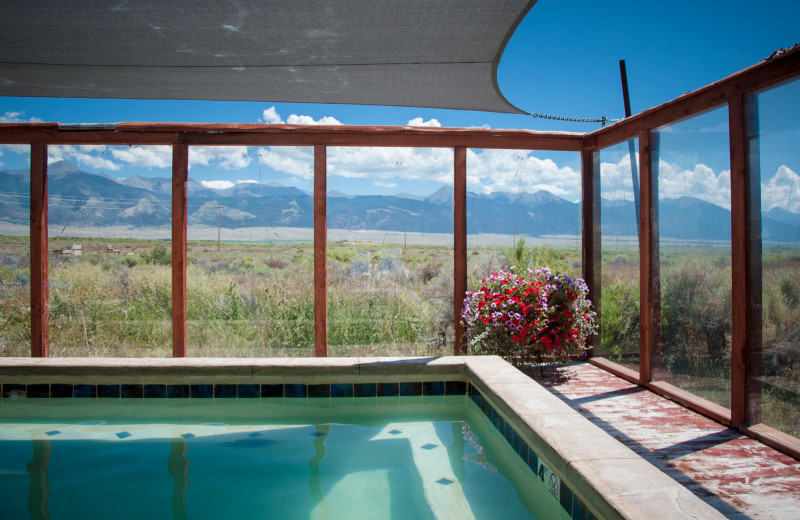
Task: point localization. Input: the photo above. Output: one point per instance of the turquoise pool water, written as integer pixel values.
(415, 457)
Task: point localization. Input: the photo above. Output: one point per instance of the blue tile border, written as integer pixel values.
(232, 390)
(567, 498)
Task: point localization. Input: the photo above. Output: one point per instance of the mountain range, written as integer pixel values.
(80, 199)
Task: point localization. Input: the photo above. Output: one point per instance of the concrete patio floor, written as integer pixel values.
(735, 474)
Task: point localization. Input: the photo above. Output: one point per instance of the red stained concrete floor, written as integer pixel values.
(739, 476)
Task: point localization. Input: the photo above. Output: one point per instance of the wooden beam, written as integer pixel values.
(459, 245)
(770, 71)
(180, 178)
(40, 293)
(320, 252)
(290, 135)
(590, 231)
(745, 263)
(649, 292)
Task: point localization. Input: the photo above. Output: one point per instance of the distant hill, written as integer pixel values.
(85, 199)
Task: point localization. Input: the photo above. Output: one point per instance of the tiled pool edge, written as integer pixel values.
(616, 481)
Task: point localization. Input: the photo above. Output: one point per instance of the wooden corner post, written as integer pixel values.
(320, 251)
(40, 292)
(649, 281)
(180, 177)
(590, 230)
(746, 364)
(459, 245)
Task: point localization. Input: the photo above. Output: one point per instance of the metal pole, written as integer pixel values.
(631, 145)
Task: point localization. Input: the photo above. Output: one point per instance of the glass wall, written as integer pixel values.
(390, 251)
(15, 273)
(109, 211)
(523, 212)
(775, 149)
(250, 272)
(619, 257)
(694, 227)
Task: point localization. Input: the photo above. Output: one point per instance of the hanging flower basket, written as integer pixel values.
(529, 317)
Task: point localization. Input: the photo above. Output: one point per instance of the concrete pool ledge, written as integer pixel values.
(617, 482)
(610, 476)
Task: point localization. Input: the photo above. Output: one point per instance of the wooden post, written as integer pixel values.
(745, 262)
(459, 245)
(40, 292)
(180, 177)
(320, 251)
(649, 292)
(590, 230)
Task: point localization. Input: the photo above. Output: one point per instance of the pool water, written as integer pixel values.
(387, 457)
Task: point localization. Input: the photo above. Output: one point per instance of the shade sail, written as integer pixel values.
(421, 53)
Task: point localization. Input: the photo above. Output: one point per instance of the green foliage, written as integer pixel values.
(522, 258)
(344, 256)
(158, 256)
(619, 319)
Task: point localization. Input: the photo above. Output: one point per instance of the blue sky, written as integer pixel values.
(562, 60)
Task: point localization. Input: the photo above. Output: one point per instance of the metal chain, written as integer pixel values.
(602, 120)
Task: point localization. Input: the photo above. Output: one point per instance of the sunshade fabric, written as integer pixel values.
(422, 53)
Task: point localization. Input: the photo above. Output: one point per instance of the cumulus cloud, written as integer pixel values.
(294, 160)
(226, 157)
(87, 155)
(383, 184)
(223, 184)
(782, 190)
(514, 171)
(217, 185)
(700, 182)
(144, 156)
(271, 116)
(18, 117)
(417, 121)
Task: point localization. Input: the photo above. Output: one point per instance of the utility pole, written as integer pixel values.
(219, 226)
(404, 233)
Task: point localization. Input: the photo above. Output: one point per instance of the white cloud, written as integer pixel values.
(417, 121)
(217, 185)
(144, 156)
(18, 117)
(700, 182)
(294, 160)
(271, 116)
(294, 119)
(782, 190)
(88, 155)
(15, 149)
(515, 171)
(226, 157)
(382, 184)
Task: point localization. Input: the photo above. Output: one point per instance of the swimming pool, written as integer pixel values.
(385, 457)
(201, 412)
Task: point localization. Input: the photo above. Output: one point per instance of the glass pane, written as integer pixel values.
(250, 273)
(619, 239)
(390, 251)
(15, 274)
(776, 146)
(109, 212)
(694, 220)
(523, 212)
